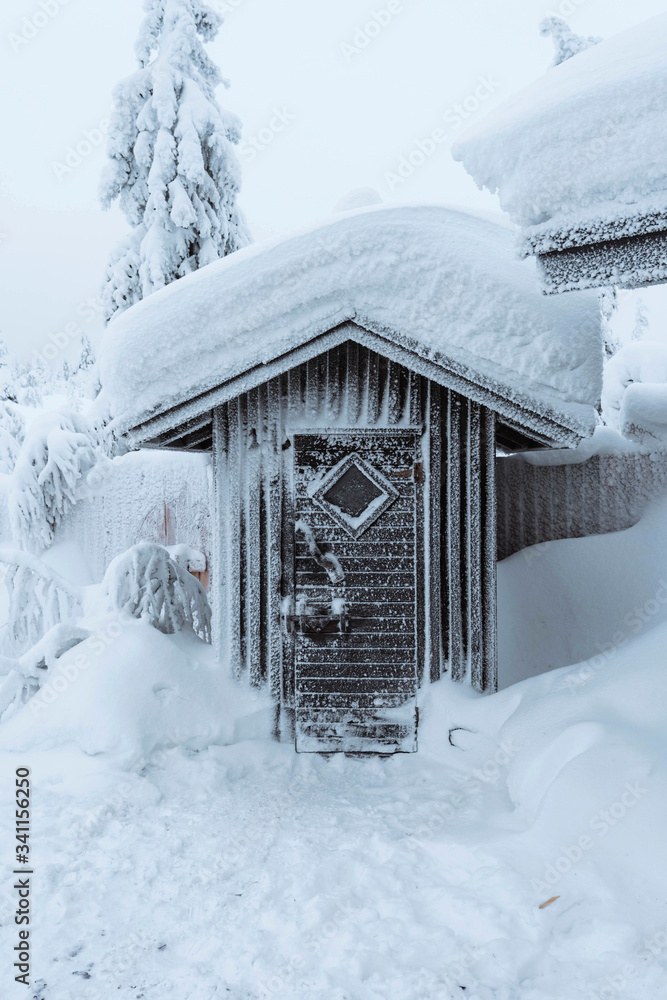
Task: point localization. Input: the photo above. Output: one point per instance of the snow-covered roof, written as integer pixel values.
(443, 284)
(581, 155)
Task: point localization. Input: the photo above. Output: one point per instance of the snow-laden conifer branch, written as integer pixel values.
(39, 599)
(147, 583)
(60, 450)
(21, 678)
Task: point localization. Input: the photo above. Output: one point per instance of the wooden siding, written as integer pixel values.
(345, 388)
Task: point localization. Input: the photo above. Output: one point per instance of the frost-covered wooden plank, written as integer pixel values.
(474, 487)
(234, 539)
(373, 387)
(353, 387)
(454, 553)
(434, 529)
(252, 568)
(335, 382)
(395, 408)
(489, 553)
(221, 521)
(274, 494)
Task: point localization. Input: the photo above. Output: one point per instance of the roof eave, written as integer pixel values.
(630, 262)
(538, 412)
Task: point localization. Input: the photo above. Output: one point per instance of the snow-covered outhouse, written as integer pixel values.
(354, 385)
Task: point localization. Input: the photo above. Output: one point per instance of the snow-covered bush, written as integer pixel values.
(60, 450)
(566, 42)
(173, 166)
(148, 584)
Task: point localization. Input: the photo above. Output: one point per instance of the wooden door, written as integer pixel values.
(354, 614)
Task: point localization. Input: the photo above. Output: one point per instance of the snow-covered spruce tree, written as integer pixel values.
(59, 452)
(7, 389)
(87, 356)
(173, 165)
(12, 433)
(566, 42)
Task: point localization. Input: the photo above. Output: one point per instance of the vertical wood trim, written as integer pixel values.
(464, 561)
(295, 391)
(373, 387)
(489, 552)
(404, 393)
(395, 410)
(322, 384)
(442, 541)
(334, 375)
(288, 583)
(312, 388)
(274, 509)
(251, 444)
(414, 393)
(475, 502)
(454, 536)
(353, 396)
(433, 532)
(234, 591)
(264, 464)
(219, 575)
(420, 589)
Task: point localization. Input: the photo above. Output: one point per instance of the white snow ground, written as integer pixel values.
(246, 871)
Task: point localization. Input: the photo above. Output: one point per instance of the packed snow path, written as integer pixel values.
(248, 872)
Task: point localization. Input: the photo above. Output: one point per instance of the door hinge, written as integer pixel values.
(416, 473)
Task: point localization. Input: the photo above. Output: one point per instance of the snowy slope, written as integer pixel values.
(248, 871)
(584, 144)
(440, 281)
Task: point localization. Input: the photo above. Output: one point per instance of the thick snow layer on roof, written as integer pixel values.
(584, 145)
(444, 283)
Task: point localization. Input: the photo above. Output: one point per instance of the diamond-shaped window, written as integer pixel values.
(355, 494)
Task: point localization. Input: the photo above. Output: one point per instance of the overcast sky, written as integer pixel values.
(332, 94)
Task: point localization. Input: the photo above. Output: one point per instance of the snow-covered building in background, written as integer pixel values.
(353, 385)
(579, 161)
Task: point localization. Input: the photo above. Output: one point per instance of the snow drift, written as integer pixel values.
(129, 690)
(440, 282)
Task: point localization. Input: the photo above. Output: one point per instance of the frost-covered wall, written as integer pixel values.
(154, 496)
(547, 496)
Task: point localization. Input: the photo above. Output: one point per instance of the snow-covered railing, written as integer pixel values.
(39, 599)
(543, 497)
